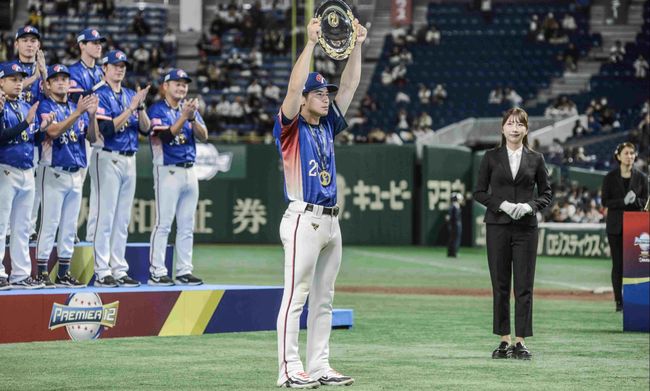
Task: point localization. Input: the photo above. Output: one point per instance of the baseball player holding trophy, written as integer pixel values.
(121, 117)
(304, 132)
(63, 158)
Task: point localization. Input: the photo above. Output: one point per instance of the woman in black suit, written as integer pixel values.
(506, 182)
(624, 189)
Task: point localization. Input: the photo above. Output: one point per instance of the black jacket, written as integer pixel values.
(495, 185)
(614, 192)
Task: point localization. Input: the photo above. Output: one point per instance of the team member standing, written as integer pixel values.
(32, 60)
(19, 125)
(176, 124)
(506, 182)
(624, 189)
(304, 131)
(63, 156)
(121, 117)
(86, 76)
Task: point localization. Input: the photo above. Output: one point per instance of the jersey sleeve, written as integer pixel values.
(44, 109)
(336, 119)
(104, 110)
(284, 126)
(159, 120)
(75, 82)
(199, 119)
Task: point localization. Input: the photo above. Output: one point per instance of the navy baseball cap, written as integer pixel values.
(316, 81)
(57, 69)
(90, 35)
(115, 57)
(177, 74)
(25, 30)
(11, 68)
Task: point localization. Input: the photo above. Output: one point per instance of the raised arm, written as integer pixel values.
(300, 71)
(352, 72)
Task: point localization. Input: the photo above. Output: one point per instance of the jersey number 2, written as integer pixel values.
(313, 168)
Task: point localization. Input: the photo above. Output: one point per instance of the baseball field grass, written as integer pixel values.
(422, 322)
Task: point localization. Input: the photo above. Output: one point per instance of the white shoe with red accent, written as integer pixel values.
(300, 380)
(333, 378)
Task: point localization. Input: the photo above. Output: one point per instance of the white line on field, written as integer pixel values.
(398, 258)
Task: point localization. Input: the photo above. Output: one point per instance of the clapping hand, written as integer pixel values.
(3, 99)
(190, 108)
(31, 114)
(630, 197)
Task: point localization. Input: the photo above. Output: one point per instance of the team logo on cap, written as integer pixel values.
(57, 68)
(320, 79)
(94, 33)
(29, 29)
(181, 73)
(16, 68)
(120, 56)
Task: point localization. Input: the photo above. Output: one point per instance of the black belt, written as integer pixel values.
(124, 153)
(334, 211)
(185, 165)
(68, 169)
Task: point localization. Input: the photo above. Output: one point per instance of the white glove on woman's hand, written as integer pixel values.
(522, 210)
(508, 208)
(630, 197)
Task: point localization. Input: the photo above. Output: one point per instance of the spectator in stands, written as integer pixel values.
(496, 96)
(141, 56)
(222, 110)
(616, 52)
(641, 67)
(237, 111)
(593, 126)
(34, 18)
(533, 28)
(513, 97)
(624, 189)
(569, 23)
(403, 122)
(592, 214)
(4, 49)
(424, 94)
(486, 10)
(376, 136)
(399, 75)
(272, 93)
(402, 97)
(386, 76)
(424, 121)
(563, 107)
(169, 42)
(139, 25)
(439, 94)
(410, 35)
(570, 57)
(368, 105)
(429, 35)
(255, 89)
(578, 130)
(550, 26)
(255, 58)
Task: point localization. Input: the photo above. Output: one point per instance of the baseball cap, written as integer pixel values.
(90, 35)
(115, 57)
(316, 81)
(11, 68)
(177, 74)
(57, 69)
(28, 30)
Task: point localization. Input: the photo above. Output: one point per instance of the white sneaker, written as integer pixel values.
(333, 378)
(300, 380)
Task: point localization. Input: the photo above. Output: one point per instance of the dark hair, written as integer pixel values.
(521, 116)
(621, 146)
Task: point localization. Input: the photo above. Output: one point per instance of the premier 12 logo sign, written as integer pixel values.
(84, 316)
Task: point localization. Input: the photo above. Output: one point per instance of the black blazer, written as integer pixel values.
(495, 185)
(614, 192)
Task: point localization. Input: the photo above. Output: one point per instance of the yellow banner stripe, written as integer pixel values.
(633, 281)
(191, 313)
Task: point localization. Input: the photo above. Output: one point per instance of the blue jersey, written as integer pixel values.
(19, 151)
(84, 78)
(111, 106)
(307, 153)
(34, 92)
(69, 149)
(182, 148)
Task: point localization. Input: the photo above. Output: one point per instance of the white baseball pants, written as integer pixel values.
(312, 257)
(177, 194)
(38, 174)
(115, 187)
(59, 209)
(16, 202)
(92, 156)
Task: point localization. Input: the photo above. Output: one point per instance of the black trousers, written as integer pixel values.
(616, 248)
(512, 252)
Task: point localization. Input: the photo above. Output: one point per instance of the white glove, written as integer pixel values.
(522, 210)
(630, 197)
(508, 208)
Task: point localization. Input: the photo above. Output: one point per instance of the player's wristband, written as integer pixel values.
(140, 107)
(192, 119)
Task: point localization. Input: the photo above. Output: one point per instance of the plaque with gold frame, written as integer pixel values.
(338, 35)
